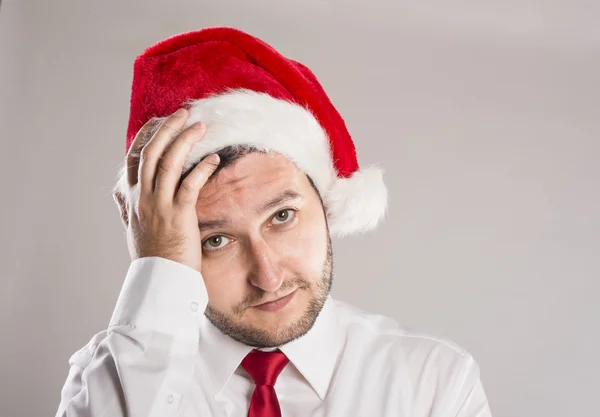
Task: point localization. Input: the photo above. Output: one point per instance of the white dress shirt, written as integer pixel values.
(161, 357)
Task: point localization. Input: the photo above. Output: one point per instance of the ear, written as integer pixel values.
(122, 204)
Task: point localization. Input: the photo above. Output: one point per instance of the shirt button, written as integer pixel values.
(170, 399)
(194, 306)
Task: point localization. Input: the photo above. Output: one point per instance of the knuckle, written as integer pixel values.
(212, 164)
(143, 206)
(151, 123)
(156, 221)
(146, 153)
(187, 187)
(142, 213)
(165, 164)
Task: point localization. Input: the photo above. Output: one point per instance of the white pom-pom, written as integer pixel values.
(358, 203)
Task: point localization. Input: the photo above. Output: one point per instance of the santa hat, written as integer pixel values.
(249, 94)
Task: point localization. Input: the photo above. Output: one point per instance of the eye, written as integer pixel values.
(215, 242)
(284, 216)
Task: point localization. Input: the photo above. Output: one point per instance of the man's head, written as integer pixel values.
(266, 248)
(264, 238)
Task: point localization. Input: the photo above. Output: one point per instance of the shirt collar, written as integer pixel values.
(220, 354)
(314, 354)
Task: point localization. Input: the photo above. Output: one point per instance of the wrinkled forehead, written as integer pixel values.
(251, 180)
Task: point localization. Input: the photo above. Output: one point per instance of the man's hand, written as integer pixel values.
(165, 223)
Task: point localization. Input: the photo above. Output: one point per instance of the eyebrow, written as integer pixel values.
(213, 224)
(277, 201)
(287, 195)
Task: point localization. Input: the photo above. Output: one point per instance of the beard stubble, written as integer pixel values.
(259, 338)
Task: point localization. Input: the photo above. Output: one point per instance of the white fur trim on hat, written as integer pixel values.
(356, 204)
(245, 117)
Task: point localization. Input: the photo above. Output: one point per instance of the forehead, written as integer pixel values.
(249, 181)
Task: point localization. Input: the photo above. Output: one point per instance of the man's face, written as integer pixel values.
(266, 254)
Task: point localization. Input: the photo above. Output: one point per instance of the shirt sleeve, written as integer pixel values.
(467, 397)
(144, 361)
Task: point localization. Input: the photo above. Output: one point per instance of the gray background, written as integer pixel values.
(485, 116)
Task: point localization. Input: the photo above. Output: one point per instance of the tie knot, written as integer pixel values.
(264, 367)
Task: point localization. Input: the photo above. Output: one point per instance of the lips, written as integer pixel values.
(276, 305)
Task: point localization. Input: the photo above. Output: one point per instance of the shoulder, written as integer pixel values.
(411, 349)
(438, 376)
(84, 355)
(385, 328)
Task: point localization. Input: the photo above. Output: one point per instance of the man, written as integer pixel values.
(229, 205)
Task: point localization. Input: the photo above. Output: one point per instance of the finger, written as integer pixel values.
(152, 152)
(193, 183)
(132, 159)
(171, 164)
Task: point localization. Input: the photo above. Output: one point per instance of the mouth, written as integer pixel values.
(278, 304)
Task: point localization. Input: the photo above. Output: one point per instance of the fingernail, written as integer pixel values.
(179, 113)
(197, 125)
(213, 159)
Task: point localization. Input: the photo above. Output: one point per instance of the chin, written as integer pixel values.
(284, 332)
(266, 329)
(276, 321)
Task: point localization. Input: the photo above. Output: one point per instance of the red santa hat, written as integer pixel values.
(247, 93)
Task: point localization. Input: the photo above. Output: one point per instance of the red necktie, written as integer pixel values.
(264, 368)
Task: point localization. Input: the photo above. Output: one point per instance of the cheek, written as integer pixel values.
(305, 249)
(225, 281)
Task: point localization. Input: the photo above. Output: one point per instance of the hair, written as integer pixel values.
(227, 156)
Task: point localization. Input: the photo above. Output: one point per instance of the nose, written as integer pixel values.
(266, 272)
